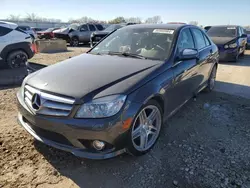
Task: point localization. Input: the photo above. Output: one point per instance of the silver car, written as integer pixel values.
(83, 33)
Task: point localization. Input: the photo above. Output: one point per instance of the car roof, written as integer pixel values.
(225, 26)
(159, 26)
(10, 24)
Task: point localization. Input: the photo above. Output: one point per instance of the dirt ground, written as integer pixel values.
(206, 144)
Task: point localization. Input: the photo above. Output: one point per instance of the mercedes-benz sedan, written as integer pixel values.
(117, 96)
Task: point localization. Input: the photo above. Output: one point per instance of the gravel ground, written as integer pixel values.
(51, 58)
(205, 144)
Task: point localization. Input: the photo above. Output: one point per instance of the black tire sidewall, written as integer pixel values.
(72, 41)
(208, 89)
(13, 55)
(130, 147)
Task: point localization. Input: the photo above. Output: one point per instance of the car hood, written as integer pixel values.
(101, 32)
(92, 74)
(63, 30)
(221, 40)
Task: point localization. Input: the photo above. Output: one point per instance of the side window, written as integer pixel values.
(84, 28)
(4, 31)
(185, 40)
(91, 27)
(200, 41)
(99, 27)
(207, 42)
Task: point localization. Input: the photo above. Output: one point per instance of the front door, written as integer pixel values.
(185, 71)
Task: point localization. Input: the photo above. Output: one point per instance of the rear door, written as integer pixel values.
(4, 39)
(203, 45)
(185, 71)
(92, 29)
(83, 33)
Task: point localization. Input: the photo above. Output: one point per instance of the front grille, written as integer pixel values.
(53, 136)
(48, 104)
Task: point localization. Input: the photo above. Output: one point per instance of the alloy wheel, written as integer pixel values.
(18, 61)
(146, 128)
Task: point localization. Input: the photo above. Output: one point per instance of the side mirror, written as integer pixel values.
(82, 29)
(243, 35)
(188, 54)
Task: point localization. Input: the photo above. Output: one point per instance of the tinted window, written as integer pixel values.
(185, 40)
(91, 27)
(4, 30)
(99, 27)
(207, 42)
(229, 31)
(84, 27)
(248, 32)
(198, 35)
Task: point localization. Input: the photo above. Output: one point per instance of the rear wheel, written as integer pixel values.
(74, 42)
(211, 80)
(17, 59)
(145, 129)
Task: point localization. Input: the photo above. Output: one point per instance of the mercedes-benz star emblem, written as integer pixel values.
(36, 101)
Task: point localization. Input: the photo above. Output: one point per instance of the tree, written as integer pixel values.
(13, 17)
(154, 19)
(194, 23)
(117, 20)
(133, 20)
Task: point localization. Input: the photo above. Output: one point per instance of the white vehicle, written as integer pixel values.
(15, 45)
(28, 30)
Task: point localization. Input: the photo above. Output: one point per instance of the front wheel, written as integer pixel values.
(74, 42)
(17, 59)
(211, 80)
(145, 129)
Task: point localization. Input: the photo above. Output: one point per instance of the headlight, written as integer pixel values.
(233, 45)
(101, 107)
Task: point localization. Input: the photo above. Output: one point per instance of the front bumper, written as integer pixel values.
(228, 55)
(75, 135)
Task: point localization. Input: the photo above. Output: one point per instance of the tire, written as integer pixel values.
(74, 42)
(150, 130)
(17, 59)
(211, 80)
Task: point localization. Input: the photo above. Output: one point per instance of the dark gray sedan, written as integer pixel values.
(117, 96)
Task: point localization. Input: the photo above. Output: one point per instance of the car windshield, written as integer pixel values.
(113, 27)
(228, 31)
(147, 43)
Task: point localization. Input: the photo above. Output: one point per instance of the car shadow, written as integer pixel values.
(243, 61)
(233, 89)
(11, 78)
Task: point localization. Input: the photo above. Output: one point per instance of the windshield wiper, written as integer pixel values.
(127, 54)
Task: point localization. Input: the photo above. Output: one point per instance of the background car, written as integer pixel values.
(28, 30)
(83, 33)
(117, 96)
(248, 38)
(99, 35)
(63, 32)
(47, 34)
(15, 45)
(230, 39)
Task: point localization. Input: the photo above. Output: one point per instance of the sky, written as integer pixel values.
(206, 12)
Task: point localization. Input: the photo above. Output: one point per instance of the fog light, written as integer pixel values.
(98, 145)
